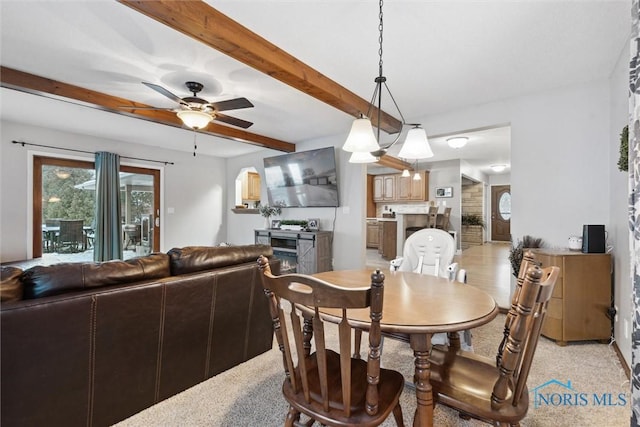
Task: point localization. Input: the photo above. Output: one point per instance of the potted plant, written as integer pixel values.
(517, 251)
(268, 211)
(472, 219)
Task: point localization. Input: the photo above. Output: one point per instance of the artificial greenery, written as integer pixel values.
(623, 162)
(516, 252)
(268, 211)
(473, 219)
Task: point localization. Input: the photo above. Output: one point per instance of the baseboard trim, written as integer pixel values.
(623, 362)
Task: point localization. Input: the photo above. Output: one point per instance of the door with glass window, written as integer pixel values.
(64, 209)
(501, 212)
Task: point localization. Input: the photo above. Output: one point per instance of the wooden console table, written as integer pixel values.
(304, 252)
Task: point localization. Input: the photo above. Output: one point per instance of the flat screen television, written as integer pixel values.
(302, 179)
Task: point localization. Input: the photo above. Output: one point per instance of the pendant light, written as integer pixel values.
(416, 146)
(362, 157)
(362, 138)
(416, 175)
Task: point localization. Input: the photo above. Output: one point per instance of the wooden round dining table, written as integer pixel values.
(415, 307)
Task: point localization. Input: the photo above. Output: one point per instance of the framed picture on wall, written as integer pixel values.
(313, 224)
(444, 191)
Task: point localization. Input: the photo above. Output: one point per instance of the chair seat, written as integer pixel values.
(465, 380)
(390, 387)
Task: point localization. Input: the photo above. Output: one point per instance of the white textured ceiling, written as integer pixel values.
(438, 56)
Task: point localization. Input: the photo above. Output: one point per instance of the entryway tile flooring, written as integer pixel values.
(487, 267)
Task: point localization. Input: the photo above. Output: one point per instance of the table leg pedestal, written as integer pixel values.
(421, 346)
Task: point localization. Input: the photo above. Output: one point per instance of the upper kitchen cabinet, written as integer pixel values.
(384, 188)
(251, 186)
(409, 189)
(396, 188)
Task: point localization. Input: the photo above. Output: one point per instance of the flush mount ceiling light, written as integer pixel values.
(195, 119)
(457, 142)
(498, 168)
(362, 138)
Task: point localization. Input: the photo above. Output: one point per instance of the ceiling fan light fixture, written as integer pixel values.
(195, 119)
(361, 139)
(416, 146)
(457, 142)
(362, 157)
(498, 168)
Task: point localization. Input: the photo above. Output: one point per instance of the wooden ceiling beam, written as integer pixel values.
(202, 22)
(394, 163)
(30, 83)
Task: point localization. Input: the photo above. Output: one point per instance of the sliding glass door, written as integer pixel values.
(64, 209)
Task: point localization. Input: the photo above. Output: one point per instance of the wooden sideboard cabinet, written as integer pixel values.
(581, 299)
(304, 252)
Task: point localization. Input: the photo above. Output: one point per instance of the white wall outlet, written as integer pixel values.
(171, 210)
(626, 327)
(346, 210)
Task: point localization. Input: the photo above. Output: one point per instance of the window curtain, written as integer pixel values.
(108, 231)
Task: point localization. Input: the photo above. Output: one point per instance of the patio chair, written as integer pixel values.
(71, 237)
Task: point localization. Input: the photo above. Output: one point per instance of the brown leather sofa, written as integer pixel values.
(90, 344)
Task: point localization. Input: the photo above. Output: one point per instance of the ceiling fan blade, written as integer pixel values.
(164, 92)
(232, 104)
(233, 121)
(127, 107)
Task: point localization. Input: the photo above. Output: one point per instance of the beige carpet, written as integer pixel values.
(249, 395)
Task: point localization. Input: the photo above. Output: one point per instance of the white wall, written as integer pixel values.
(618, 203)
(347, 221)
(194, 187)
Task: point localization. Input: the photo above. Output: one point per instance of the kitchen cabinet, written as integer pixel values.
(387, 234)
(396, 188)
(581, 298)
(373, 236)
(251, 186)
(409, 189)
(384, 187)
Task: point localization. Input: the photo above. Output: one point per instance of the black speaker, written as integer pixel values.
(593, 239)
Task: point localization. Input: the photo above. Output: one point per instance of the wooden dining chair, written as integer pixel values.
(327, 385)
(477, 386)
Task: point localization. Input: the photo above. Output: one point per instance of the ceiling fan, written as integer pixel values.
(196, 112)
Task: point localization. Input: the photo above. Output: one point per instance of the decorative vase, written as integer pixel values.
(267, 222)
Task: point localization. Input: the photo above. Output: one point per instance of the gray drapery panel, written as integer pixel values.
(108, 232)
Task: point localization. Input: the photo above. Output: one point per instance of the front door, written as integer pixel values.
(501, 212)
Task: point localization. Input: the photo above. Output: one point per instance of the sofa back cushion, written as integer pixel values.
(10, 284)
(40, 281)
(191, 259)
